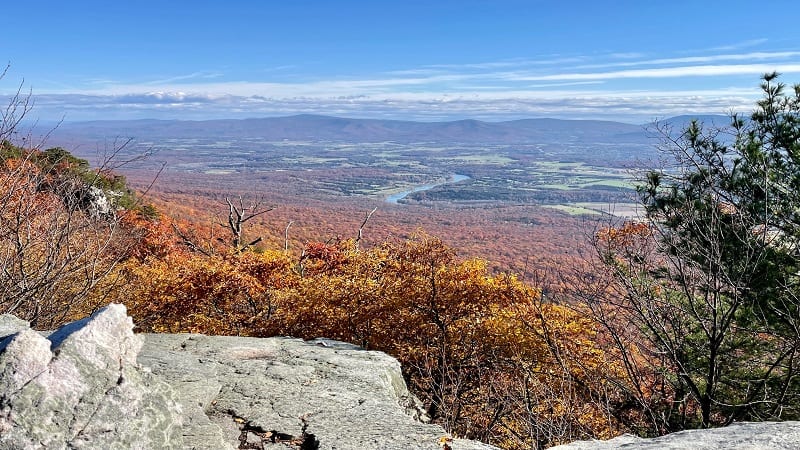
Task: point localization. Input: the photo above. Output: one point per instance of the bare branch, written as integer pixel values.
(364, 223)
(187, 241)
(238, 214)
(286, 236)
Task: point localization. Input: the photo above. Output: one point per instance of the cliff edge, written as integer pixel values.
(94, 384)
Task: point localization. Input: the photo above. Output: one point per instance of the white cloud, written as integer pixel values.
(627, 55)
(666, 72)
(739, 45)
(549, 60)
(697, 59)
(549, 85)
(163, 98)
(191, 76)
(633, 106)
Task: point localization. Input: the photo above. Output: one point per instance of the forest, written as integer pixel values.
(686, 316)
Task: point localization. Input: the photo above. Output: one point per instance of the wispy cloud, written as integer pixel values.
(667, 72)
(549, 60)
(188, 77)
(279, 68)
(739, 45)
(624, 85)
(565, 84)
(627, 55)
(754, 56)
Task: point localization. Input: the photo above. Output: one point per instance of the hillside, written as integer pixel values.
(521, 203)
(681, 316)
(314, 127)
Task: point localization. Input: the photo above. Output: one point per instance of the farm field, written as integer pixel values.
(509, 202)
(517, 174)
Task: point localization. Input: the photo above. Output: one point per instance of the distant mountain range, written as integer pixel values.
(327, 128)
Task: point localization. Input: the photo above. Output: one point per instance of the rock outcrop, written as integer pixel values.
(740, 436)
(93, 384)
(82, 388)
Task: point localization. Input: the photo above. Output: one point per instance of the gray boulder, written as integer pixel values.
(82, 388)
(287, 393)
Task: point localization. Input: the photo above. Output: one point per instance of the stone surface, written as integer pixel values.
(93, 384)
(739, 436)
(11, 324)
(287, 393)
(82, 388)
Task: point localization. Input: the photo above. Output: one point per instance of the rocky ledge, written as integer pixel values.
(739, 436)
(93, 384)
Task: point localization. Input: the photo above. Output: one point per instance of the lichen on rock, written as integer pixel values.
(93, 384)
(82, 388)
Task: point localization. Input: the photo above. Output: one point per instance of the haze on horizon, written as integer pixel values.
(418, 60)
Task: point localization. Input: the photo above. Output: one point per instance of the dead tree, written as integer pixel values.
(238, 214)
(286, 236)
(363, 224)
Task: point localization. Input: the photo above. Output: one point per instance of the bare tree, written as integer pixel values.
(60, 229)
(18, 106)
(363, 224)
(238, 215)
(54, 250)
(286, 236)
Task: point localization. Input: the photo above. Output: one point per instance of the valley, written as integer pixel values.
(519, 174)
(510, 192)
(546, 162)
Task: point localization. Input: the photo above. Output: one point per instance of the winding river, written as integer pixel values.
(394, 198)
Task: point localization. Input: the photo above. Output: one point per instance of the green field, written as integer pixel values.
(572, 178)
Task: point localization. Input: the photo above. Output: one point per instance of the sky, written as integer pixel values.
(633, 61)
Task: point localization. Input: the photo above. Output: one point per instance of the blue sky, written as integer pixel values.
(422, 60)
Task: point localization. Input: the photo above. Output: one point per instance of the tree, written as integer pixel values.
(60, 227)
(238, 214)
(485, 355)
(12, 115)
(703, 295)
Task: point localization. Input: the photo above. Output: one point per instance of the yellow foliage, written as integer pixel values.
(229, 294)
(487, 357)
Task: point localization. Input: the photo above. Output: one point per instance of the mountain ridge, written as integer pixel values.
(334, 128)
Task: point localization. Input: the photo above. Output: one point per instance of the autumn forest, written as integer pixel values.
(537, 289)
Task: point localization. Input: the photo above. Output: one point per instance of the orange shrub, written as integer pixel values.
(488, 359)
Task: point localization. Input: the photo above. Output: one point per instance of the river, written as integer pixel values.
(394, 198)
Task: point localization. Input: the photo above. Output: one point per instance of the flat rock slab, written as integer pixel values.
(739, 436)
(93, 384)
(287, 393)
